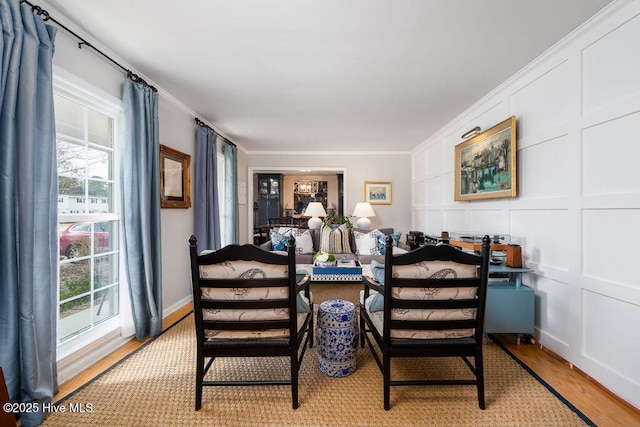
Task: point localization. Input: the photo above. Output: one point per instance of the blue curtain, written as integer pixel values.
(207, 216)
(28, 209)
(140, 183)
(232, 218)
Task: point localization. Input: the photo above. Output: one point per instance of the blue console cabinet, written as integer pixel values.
(510, 304)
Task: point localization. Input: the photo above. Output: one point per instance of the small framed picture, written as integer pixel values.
(175, 191)
(377, 193)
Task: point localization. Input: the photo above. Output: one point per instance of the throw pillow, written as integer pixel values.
(367, 243)
(398, 251)
(377, 302)
(382, 240)
(286, 230)
(335, 240)
(280, 238)
(304, 242)
(377, 269)
(278, 241)
(302, 303)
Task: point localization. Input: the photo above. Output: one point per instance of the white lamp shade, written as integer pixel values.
(363, 209)
(314, 210)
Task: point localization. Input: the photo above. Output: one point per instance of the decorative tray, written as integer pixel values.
(342, 271)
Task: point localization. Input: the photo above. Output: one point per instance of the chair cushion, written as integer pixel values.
(377, 318)
(425, 270)
(247, 270)
(243, 270)
(217, 294)
(212, 335)
(434, 269)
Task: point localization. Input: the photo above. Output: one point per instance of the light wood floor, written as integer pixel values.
(597, 403)
(593, 400)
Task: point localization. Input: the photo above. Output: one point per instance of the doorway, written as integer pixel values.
(335, 178)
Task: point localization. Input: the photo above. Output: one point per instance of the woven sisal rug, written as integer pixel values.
(155, 387)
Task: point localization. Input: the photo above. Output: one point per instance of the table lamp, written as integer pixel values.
(314, 210)
(364, 211)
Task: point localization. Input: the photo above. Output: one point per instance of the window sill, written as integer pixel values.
(79, 353)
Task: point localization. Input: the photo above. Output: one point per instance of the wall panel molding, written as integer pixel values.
(577, 108)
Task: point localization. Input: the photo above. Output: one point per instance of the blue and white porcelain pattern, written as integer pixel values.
(337, 338)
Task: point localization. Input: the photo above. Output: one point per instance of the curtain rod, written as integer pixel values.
(46, 17)
(204, 125)
(130, 74)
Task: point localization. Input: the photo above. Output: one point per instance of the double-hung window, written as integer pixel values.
(88, 212)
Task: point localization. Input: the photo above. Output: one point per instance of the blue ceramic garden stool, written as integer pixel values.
(337, 337)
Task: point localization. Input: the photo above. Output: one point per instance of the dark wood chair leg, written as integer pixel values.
(199, 379)
(386, 374)
(311, 330)
(294, 380)
(362, 330)
(480, 379)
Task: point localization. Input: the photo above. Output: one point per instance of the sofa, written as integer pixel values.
(343, 242)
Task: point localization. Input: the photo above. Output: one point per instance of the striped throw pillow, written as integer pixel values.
(335, 240)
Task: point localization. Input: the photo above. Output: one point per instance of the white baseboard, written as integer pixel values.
(173, 308)
(78, 361)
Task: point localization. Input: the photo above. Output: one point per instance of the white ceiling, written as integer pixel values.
(330, 75)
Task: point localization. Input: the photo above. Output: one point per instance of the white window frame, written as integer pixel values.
(74, 88)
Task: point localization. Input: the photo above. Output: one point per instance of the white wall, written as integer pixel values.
(578, 211)
(177, 130)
